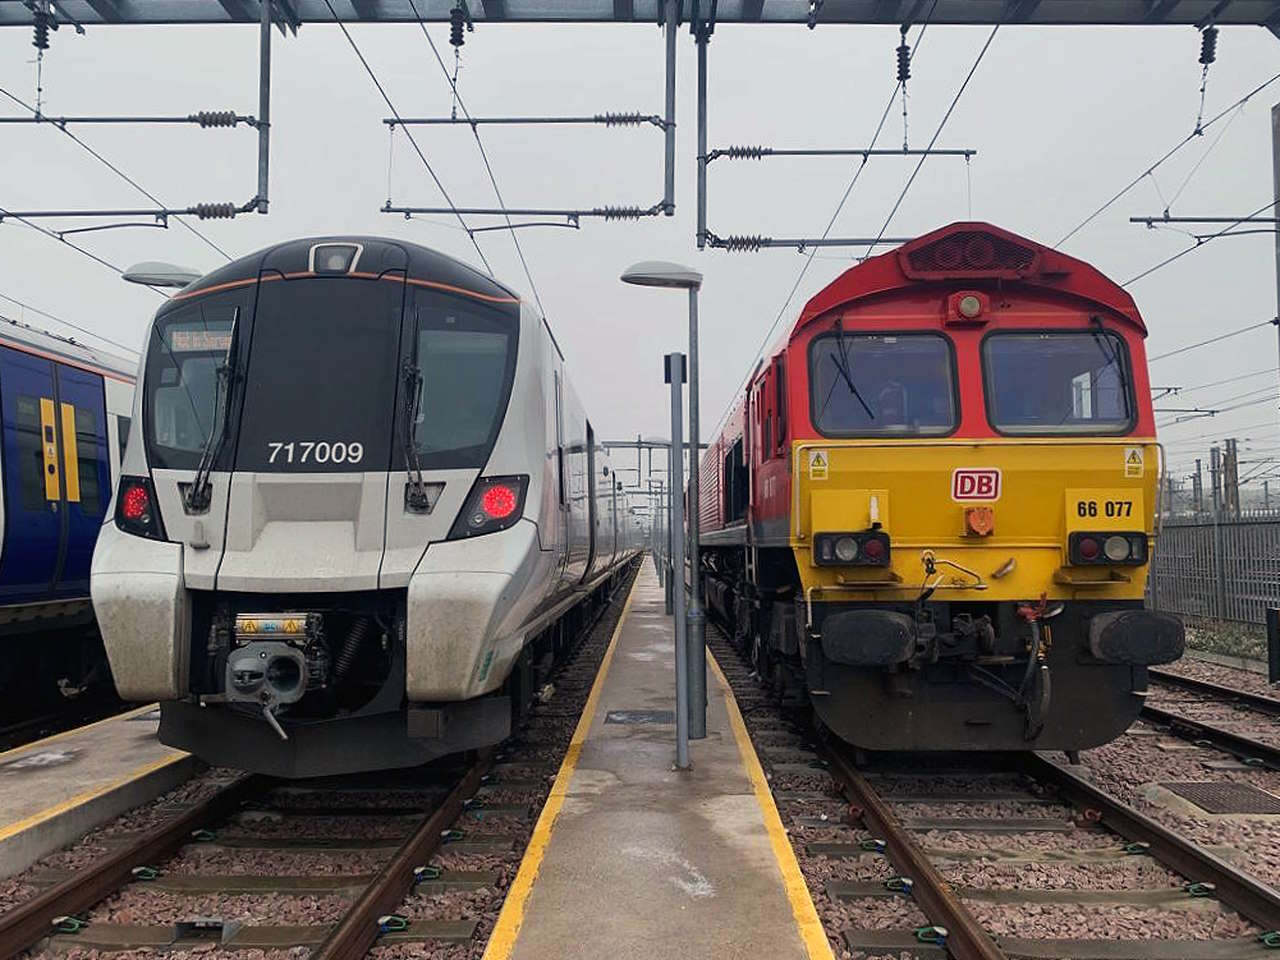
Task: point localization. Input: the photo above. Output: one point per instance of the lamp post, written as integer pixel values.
(656, 273)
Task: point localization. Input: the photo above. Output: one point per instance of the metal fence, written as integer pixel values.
(1225, 570)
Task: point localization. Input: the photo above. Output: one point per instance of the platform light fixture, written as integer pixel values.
(675, 276)
(153, 273)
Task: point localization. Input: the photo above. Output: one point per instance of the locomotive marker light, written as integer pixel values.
(659, 273)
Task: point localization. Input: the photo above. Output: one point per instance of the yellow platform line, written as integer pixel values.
(503, 939)
(39, 745)
(816, 945)
(82, 798)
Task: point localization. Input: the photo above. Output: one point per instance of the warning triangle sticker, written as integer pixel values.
(1135, 458)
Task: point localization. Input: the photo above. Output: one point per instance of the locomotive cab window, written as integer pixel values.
(882, 385)
(1058, 382)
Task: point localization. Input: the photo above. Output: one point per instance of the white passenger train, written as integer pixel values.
(360, 510)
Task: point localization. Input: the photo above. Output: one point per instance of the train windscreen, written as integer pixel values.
(465, 353)
(180, 406)
(882, 385)
(1058, 382)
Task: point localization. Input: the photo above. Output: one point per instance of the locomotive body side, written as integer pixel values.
(399, 494)
(953, 481)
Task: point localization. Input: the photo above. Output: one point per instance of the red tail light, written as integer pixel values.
(495, 503)
(1112, 549)
(499, 501)
(136, 511)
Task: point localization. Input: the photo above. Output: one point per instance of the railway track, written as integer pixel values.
(416, 857)
(952, 858)
(1210, 731)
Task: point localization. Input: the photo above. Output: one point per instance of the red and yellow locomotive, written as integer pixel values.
(934, 507)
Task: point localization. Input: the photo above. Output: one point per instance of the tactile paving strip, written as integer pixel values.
(1226, 797)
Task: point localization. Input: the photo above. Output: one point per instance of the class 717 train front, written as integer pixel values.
(359, 509)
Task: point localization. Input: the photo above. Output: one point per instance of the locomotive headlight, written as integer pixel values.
(846, 549)
(1116, 549)
(969, 306)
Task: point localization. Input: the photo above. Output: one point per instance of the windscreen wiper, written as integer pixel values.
(842, 364)
(200, 493)
(415, 496)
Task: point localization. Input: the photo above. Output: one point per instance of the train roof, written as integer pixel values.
(975, 252)
(377, 255)
(31, 339)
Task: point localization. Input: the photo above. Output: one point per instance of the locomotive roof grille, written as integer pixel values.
(969, 253)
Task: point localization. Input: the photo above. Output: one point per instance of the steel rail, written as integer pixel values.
(1242, 746)
(1232, 886)
(359, 929)
(966, 939)
(24, 925)
(1254, 701)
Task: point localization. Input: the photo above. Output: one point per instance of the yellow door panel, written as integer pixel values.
(71, 452)
(49, 447)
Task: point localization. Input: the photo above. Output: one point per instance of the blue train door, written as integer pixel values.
(56, 480)
(86, 473)
(33, 532)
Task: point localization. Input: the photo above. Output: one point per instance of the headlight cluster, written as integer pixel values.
(866, 549)
(1091, 549)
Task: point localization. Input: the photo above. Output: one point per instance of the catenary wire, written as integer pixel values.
(1177, 147)
(45, 313)
(453, 84)
(119, 173)
(1204, 343)
(936, 133)
(1200, 242)
(408, 133)
(804, 267)
(6, 215)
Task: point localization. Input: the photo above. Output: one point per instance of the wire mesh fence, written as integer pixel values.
(1223, 570)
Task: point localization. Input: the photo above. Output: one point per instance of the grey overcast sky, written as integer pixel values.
(1061, 117)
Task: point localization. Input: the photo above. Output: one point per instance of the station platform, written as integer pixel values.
(634, 859)
(57, 789)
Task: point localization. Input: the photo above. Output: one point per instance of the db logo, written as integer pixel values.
(969, 484)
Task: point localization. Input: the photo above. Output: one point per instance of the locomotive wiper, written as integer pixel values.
(200, 493)
(415, 495)
(842, 365)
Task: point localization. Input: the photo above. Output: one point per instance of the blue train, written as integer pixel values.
(64, 423)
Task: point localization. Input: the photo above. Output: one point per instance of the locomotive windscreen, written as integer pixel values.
(882, 385)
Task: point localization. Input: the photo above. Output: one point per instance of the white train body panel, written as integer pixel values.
(341, 547)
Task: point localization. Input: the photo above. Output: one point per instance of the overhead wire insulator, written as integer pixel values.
(215, 211)
(40, 38)
(214, 118)
(1208, 45)
(457, 21)
(743, 243)
(745, 152)
(904, 58)
(621, 213)
(623, 119)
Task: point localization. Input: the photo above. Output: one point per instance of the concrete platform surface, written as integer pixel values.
(55, 790)
(645, 861)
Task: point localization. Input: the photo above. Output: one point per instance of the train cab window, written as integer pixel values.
(882, 385)
(1058, 382)
(181, 379)
(734, 485)
(780, 404)
(466, 354)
